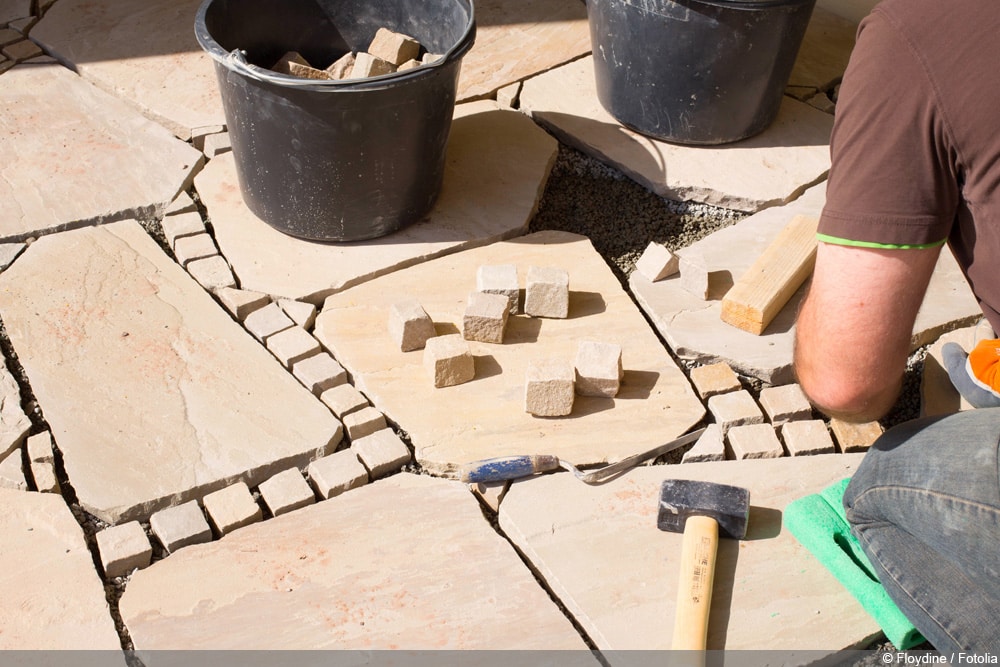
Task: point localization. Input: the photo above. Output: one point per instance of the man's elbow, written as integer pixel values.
(849, 400)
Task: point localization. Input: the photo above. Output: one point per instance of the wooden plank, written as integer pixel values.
(760, 294)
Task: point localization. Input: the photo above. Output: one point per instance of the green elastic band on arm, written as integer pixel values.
(836, 240)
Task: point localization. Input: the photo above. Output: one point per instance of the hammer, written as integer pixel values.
(701, 510)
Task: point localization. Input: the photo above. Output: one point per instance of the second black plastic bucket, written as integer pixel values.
(695, 71)
(336, 160)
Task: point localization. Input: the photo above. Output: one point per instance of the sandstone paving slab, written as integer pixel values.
(52, 595)
(692, 326)
(769, 169)
(143, 52)
(153, 393)
(71, 155)
(826, 49)
(515, 40)
(655, 402)
(405, 563)
(600, 551)
(497, 165)
(11, 10)
(14, 424)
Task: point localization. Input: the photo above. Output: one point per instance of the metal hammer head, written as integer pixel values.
(681, 498)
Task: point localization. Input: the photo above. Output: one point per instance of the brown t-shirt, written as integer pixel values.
(916, 140)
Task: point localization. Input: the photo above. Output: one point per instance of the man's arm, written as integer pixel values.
(853, 331)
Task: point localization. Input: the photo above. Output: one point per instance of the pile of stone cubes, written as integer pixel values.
(550, 386)
(388, 52)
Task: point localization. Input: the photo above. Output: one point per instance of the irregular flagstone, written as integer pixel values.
(498, 162)
(655, 402)
(14, 424)
(600, 550)
(11, 10)
(52, 597)
(825, 50)
(63, 138)
(517, 40)
(153, 393)
(144, 52)
(938, 395)
(404, 563)
(693, 328)
(769, 169)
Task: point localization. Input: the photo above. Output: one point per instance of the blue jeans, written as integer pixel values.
(925, 505)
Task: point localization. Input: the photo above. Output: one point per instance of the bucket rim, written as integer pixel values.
(236, 60)
(747, 5)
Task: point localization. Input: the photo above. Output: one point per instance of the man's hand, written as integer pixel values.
(854, 327)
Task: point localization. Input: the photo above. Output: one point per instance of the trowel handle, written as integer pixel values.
(694, 589)
(503, 468)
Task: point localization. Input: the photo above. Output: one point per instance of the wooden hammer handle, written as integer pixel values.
(694, 590)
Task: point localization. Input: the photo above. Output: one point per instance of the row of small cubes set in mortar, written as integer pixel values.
(550, 386)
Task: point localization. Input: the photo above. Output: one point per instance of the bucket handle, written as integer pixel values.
(237, 60)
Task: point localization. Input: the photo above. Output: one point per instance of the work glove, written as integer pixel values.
(976, 375)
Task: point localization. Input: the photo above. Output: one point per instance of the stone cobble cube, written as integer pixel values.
(180, 526)
(657, 262)
(381, 452)
(711, 446)
(182, 203)
(231, 508)
(485, 317)
(12, 473)
(198, 246)
(409, 325)
(393, 47)
(855, 437)
(365, 65)
(182, 225)
(344, 399)
(44, 475)
(549, 389)
(363, 422)
(694, 274)
(39, 447)
(285, 492)
(500, 279)
(267, 321)
(292, 345)
(449, 361)
(339, 472)
(754, 441)
(23, 50)
(737, 408)
(217, 144)
(319, 373)
(124, 548)
(546, 292)
(807, 437)
(598, 369)
(212, 273)
(714, 379)
(302, 313)
(785, 404)
(240, 303)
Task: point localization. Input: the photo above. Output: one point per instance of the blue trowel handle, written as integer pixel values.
(507, 467)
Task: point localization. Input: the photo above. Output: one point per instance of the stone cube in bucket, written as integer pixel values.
(336, 160)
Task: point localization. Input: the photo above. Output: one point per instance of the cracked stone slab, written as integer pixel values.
(518, 40)
(154, 395)
(600, 550)
(14, 424)
(769, 169)
(385, 566)
(11, 10)
(63, 137)
(655, 402)
(496, 168)
(693, 328)
(143, 52)
(825, 51)
(52, 597)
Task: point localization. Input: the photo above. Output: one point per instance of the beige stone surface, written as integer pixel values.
(14, 9)
(546, 292)
(180, 526)
(410, 325)
(785, 403)
(657, 262)
(153, 409)
(515, 41)
(292, 345)
(852, 437)
(123, 548)
(938, 395)
(382, 452)
(285, 492)
(500, 279)
(319, 373)
(144, 52)
(183, 225)
(754, 441)
(711, 446)
(693, 329)
(339, 472)
(240, 303)
(810, 436)
(825, 50)
(598, 369)
(549, 388)
(52, 597)
(231, 508)
(485, 317)
(599, 549)
(63, 138)
(266, 321)
(497, 165)
(363, 422)
(736, 408)
(344, 399)
(655, 404)
(302, 313)
(381, 567)
(14, 424)
(714, 379)
(448, 361)
(12, 472)
(196, 246)
(213, 273)
(766, 170)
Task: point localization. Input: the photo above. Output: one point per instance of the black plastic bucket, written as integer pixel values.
(695, 71)
(336, 160)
